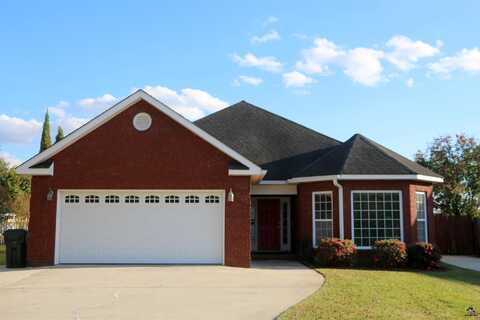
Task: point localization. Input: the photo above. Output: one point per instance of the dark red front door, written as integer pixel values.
(268, 223)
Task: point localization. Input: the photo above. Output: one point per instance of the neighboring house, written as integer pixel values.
(141, 184)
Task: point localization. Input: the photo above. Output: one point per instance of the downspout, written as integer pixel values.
(340, 207)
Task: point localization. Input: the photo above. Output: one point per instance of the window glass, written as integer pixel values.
(172, 199)
(92, 199)
(376, 216)
(72, 199)
(421, 200)
(322, 216)
(192, 199)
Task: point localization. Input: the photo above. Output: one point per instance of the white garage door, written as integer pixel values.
(140, 226)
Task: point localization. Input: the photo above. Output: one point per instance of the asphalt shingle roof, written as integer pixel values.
(287, 149)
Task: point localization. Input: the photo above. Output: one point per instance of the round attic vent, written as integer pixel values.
(142, 121)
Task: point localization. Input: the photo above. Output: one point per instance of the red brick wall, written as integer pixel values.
(304, 206)
(117, 156)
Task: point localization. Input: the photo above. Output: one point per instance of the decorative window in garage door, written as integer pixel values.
(212, 199)
(92, 199)
(172, 199)
(132, 199)
(192, 199)
(112, 199)
(71, 198)
(152, 199)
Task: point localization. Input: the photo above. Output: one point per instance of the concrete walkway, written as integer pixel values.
(155, 292)
(466, 262)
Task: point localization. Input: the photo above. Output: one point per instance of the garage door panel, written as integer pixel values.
(141, 232)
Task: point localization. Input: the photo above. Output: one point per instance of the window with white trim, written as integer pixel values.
(92, 199)
(322, 216)
(192, 199)
(132, 199)
(212, 199)
(172, 199)
(71, 198)
(152, 199)
(376, 215)
(112, 199)
(421, 200)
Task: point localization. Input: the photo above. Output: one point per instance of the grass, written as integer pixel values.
(2, 255)
(374, 294)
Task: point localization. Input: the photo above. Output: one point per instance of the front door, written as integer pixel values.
(268, 221)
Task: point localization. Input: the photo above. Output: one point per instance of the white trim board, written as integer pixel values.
(417, 177)
(96, 122)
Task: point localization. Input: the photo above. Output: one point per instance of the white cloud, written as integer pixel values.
(10, 159)
(363, 66)
(296, 79)
(317, 59)
(102, 102)
(253, 81)
(191, 103)
(267, 37)
(265, 63)
(270, 20)
(410, 82)
(406, 51)
(70, 123)
(465, 60)
(16, 130)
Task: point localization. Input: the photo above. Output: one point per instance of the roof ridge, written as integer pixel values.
(352, 139)
(380, 148)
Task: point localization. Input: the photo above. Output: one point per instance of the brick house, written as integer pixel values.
(141, 184)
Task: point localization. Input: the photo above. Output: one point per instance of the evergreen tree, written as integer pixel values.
(46, 141)
(59, 135)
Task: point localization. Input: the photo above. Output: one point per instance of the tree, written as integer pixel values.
(59, 135)
(45, 141)
(458, 161)
(14, 191)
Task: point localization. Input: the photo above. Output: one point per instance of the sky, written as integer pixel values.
(400, 73)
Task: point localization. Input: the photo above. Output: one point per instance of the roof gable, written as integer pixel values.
(28, 167)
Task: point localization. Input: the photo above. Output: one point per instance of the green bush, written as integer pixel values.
(423, 255)
(389, 254)
(335, 253)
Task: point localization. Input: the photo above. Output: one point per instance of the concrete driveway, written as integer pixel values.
(155, 292)
(466, 262)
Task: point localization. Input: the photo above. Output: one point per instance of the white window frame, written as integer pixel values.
(400, 197)
(314, 229)
(425, 208)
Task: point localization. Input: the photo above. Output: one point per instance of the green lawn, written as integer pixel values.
(373, 294)
(2, 255)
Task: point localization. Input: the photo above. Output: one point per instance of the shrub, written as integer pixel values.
(423, 255)
(335, 253)
(389, 253)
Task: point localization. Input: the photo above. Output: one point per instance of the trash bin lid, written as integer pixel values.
(15, 235)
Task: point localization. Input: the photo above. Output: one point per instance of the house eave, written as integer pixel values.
(414, 177)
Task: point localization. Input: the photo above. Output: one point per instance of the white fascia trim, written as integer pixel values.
(418, 177)
(36, 171)
(273, 182)
(121, 106)
(247, 172)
